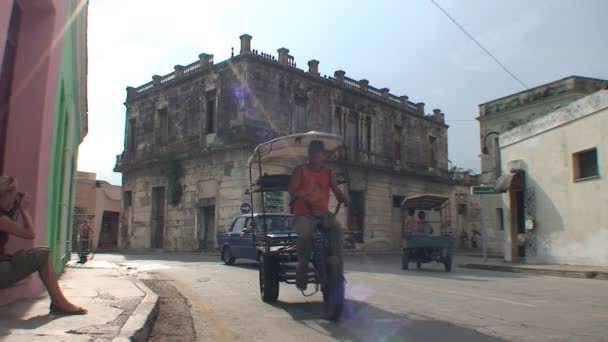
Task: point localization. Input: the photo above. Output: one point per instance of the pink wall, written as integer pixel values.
(6, 8)
(31, 113)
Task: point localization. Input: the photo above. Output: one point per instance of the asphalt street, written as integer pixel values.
(384, 303)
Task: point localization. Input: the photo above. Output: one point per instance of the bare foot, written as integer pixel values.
(67, 308)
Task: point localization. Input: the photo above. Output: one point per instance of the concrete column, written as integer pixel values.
(339, 75)
(364, 84)
(156, 80)
(420, 106)
(205, 59)
(179, 70)
(384, 92)
(438, 115)
(283, 55)
(245, 44)
(130, 92)
(313, 67)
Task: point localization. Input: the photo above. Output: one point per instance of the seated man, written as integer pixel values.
(411, 222)
(16, 267)
(424, 227)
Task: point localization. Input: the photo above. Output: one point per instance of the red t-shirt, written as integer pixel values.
(315, 184)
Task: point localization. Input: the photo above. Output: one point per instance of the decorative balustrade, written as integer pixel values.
(351, 83)
(145, 87)
(394, 98)
(264, 55)
(192, 67)
(167, 78)
(374, 91)
(362, 86)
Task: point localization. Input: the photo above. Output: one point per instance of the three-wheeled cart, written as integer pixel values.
(270, 169)
(421, 247)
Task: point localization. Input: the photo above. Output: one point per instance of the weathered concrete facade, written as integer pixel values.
(564, 157)
(503, 114)
(204, 120)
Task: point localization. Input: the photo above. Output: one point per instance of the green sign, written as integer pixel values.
(274, 201)
(484, 190)
(277, 201)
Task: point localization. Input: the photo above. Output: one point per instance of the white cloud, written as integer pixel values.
(128, 43)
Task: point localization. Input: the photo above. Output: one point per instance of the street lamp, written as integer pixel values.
(484, 150)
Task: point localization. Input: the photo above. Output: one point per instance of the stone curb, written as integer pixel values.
(139, 325)
(531, 270)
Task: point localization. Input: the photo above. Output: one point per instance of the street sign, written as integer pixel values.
(484, 190)
(275, 201)
(274, 208)
(245, 208)
(275, 197)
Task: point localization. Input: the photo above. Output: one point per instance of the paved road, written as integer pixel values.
(385, 303)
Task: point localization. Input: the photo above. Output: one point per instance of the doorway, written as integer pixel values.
(157, 231)
(518, 223)
(356, 215)
(6, 74)
(206, 228)
(108, 235)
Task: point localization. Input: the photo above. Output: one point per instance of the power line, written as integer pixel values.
(480, 46)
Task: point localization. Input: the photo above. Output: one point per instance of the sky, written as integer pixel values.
(409, 46)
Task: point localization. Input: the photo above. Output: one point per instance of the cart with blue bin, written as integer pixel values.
(419, 247)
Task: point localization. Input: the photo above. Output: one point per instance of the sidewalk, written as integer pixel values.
(120, 308)
(497, 264)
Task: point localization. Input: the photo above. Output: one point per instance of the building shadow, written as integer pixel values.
(193, 257)
(246, 265)
(365, 322)
(10, 317)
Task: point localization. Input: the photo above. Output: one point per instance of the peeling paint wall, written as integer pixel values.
(571, 215)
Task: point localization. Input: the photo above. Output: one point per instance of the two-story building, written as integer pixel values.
(506, 113)
(189, 135)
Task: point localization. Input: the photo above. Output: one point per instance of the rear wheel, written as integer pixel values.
(269, 278)
(227, 256)
(333, 294)
(405, 260)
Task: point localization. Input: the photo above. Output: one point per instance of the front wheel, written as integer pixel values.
(269, 278)
(405, 260)
(227, 256)
(448, 263)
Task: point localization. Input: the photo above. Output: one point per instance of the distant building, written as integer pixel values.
(503, 114)
(43, 117)
(556, 187)
(189, 135)
(98, 204)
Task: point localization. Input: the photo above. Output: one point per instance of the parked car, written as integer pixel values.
(239, 241)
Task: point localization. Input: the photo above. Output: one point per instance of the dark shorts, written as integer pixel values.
(21, 265)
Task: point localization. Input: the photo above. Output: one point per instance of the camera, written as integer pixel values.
(18, 199)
